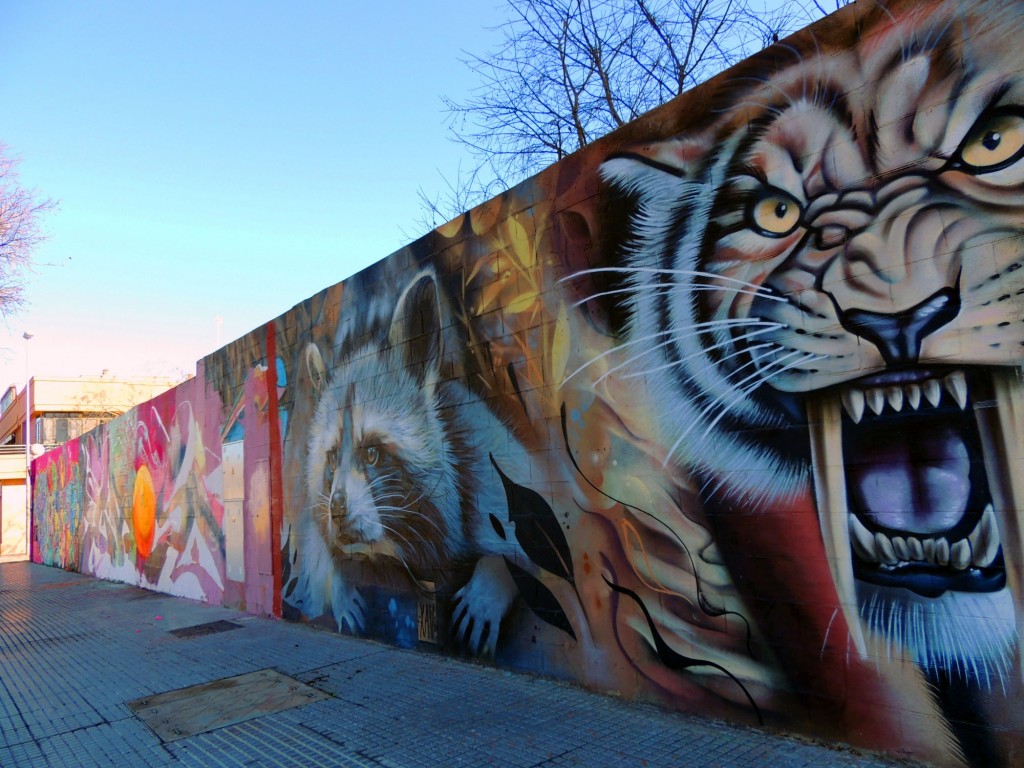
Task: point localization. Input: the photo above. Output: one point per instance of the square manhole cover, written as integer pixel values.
(210, 628)
(207, 707)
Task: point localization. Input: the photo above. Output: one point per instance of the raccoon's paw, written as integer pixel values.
(479, 607)
(349, 608)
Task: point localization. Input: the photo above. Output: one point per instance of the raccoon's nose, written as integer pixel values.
(337, 505)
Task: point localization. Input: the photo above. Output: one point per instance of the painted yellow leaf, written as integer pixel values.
(477, 265)
(451, 229)
(484, 216)
(522, 302)
(519, 243)
(489, 294)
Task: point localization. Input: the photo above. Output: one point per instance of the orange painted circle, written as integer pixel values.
(144, 511)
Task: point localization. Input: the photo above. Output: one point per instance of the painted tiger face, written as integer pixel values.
(843, 254)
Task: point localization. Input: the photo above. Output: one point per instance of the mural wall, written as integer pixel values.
(148, 498)
(723, 412)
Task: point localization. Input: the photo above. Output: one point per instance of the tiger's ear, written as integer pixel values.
(651, 168)
(315, 367)
(416, 327)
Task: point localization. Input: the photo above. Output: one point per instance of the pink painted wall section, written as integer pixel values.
(141, 499)
(58, 504)
(721, 413)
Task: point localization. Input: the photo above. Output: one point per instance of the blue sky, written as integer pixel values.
(216, 160)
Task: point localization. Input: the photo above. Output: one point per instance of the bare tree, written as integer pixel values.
(20, 232)
(569, 71)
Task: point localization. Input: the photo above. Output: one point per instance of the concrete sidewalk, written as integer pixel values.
(74, 651)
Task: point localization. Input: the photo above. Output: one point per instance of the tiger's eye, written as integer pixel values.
(995, 142)
(775, 213)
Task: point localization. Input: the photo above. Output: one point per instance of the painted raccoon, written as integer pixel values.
(399, 467)
(826, 295)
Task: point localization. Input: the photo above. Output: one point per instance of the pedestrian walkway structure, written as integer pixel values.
(76, 653)
(721, 413)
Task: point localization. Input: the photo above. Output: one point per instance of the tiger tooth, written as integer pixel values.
(895, 397)
(1002, 436)
(885, 551)
(933, 392)
(862, 541)
(825, 420)
(956, 385)
(876, 400)
(853, 402)
(929, 550)
(914, 395)
(899, 546)
(942, 551)
(916, 550)
(984, 539)
(960, 555)
(976, 536)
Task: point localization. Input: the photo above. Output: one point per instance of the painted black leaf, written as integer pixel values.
(540, 599)
(702, 600)
(515, 385)
(672, 658)
(286, 571)
(537, 528)
(497, 526)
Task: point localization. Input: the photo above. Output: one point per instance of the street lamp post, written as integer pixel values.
(28, 453)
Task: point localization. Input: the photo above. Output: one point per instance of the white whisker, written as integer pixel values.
(758, 378)
(699, 352)
(400, 512)
(395, 534)
(756, 384)
(760, 290)
(678, 337)
(694, 330)
(669, 288)
(613, 350)
(758, 374)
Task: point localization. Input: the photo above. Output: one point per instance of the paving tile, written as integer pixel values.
(75, 650)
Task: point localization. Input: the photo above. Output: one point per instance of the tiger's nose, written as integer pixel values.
(899, 336)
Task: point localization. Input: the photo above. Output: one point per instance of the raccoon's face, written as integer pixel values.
(377, 464)
(379, 473)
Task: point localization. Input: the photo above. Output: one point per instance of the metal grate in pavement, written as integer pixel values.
(201, 630)
(202, 708)
(148, 594)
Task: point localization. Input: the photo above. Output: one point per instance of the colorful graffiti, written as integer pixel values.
(722, 412)
(58, 504)
(141, 499)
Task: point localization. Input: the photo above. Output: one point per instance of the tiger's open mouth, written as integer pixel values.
(910, 474)
(921, 514)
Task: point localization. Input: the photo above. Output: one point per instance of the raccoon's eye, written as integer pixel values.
(371, 455)
(995, 142)
(774, 213)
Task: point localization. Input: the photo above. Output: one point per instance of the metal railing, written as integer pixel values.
(14, 449)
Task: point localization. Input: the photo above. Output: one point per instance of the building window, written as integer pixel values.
(55, 428)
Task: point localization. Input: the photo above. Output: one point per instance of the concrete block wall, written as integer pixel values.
(721, 413)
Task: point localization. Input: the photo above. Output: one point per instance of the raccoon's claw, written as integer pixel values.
(478, 636)
(481, 605)
(354, 619)
(349, 608)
